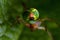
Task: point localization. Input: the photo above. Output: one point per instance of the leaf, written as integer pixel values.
(2, 30)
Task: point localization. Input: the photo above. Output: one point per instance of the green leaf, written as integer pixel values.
(2, 30)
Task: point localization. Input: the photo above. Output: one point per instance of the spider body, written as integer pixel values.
(31, 19)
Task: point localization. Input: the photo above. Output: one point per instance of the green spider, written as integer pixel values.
(31, 19)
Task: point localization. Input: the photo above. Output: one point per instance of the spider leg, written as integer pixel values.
(42, 28)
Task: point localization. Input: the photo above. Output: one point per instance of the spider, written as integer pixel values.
(31, 19)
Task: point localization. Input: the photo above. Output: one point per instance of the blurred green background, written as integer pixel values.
(10, 29)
